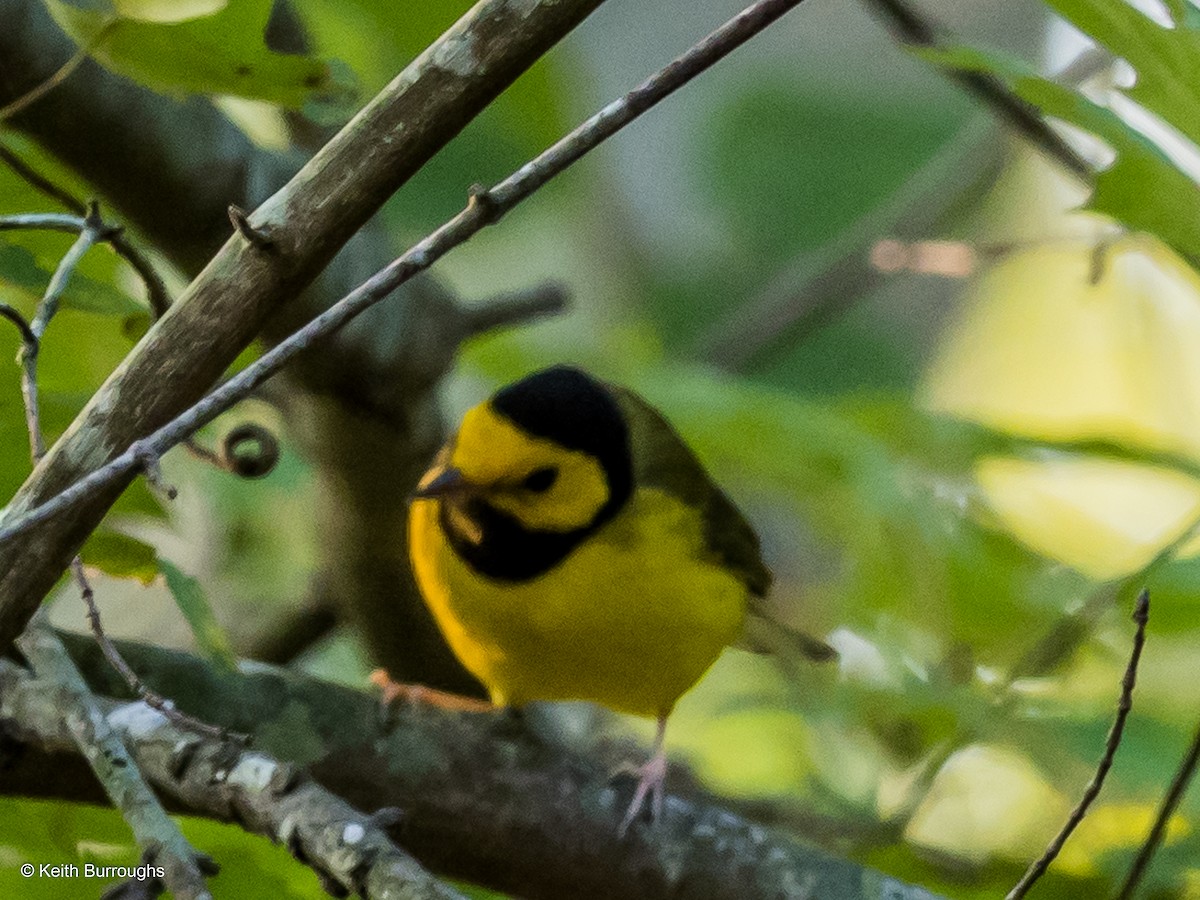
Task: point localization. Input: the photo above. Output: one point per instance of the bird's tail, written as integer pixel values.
(766, 635)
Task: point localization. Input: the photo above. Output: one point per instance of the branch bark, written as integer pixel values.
(480, 800)
(224, 780)
(309, 220)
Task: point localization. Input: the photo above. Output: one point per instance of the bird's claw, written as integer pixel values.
(652, 779)
(392, 692)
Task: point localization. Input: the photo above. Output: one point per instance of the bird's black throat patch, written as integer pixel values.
(506, 549)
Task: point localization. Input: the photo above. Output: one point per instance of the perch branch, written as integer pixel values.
(347, 849)
(1141, 615)
(481, 801)
(484, 208)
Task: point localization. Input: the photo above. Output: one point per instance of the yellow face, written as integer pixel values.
(544, 486)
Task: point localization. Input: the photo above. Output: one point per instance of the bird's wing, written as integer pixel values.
(661, 459)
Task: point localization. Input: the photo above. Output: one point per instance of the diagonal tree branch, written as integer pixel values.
(308, 220)
(480, 800)
(485, 207)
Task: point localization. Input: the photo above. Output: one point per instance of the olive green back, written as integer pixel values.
(661, 459)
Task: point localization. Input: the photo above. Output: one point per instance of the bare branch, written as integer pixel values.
(515, 308)
(819, 288)
(92, 734)
(910, 26)
(60, 75)
(113, 655)
(154, 831)
(484, 208)
(1166, 812)
(1141, 615)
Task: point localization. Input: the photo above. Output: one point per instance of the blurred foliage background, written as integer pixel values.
(960, 481)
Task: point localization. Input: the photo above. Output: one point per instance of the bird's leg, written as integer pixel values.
(651, 781)
(419, 695)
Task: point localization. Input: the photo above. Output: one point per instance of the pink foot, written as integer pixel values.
(419, 695)
(651, 780)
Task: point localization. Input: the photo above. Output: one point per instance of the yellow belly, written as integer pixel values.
(631, 618)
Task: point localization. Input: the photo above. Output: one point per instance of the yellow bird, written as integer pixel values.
(571, 547)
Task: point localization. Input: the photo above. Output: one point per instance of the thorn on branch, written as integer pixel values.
(387, 817)
(483, 204)
(1141, 615)
(256, 237)
(148, 461)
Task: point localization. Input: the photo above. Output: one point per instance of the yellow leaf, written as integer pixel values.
(1104, 517)
(166, 11)
(985, 802)
(1042, 352)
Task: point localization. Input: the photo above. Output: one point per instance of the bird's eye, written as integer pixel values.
(540, 480)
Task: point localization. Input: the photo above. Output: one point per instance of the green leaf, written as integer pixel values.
(1142, 189)
(121, 556)
(19, 269)
(1166, 59)
(221, 52)
(189, 595)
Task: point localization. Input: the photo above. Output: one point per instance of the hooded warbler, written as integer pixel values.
(572, 547)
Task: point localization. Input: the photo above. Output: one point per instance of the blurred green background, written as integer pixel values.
(907, 444)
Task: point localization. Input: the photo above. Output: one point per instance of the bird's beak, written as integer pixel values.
(446, 483)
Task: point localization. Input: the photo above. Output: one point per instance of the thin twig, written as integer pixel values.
(93, 229)
(101, 745)
(819, 287)
(156, 289)
(1166, 811)
(14, 316)
(911, 26)
(113, 655)
(1141, 615)
(484, 208)
(59, 76)
(40, 182)
(31, 335)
